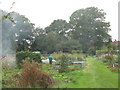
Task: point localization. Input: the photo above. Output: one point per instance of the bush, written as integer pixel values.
(76, 51)
(24, 54)
(109, 57)
(92, 51)
(33, 76)
(63, 64)
(100, 52)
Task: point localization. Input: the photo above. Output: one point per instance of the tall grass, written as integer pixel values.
(32, 75)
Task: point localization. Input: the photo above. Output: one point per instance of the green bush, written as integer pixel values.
(24, 54)
(76, 51)
(114, 52)
(63, 64)
(100, 52)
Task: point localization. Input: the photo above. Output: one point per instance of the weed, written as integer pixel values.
(32, 75)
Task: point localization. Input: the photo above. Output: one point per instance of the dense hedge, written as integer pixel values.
(24, 54)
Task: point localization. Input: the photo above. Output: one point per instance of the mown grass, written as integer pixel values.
(102, 76)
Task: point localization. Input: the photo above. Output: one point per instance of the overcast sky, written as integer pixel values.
(43, 12)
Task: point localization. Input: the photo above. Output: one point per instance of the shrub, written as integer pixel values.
(76, 51)
(63, 64)
(92, 51)
(24, 54)
(109, 57)
(32, 75)
(100, 52)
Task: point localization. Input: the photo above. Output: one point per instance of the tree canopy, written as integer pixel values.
(86, 31)
(89, 27)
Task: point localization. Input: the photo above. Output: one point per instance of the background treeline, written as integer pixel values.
(86, 32)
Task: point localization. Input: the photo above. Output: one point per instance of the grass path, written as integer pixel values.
(100, 76)
(95, 75)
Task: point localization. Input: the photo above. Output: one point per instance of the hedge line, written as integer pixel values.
(24, 54)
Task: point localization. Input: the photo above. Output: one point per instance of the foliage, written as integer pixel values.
(86, 31)
(57, 26)
(32, 76)
(91, 76)
(70, 45)
(8, 78)
(108, 56)
(20, 56)
(49, 43)
(91, 51)
(89, 27)
(18, 34)
(63, 64)
(76, 51)
(5, 65)
(70, 56)
(100, 52)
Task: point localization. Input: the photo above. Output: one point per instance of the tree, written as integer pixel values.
(86, 31)
(24, 32)
(58, 26)
(8, 40)
(18, 34)
(69, 45)
(89, 27)
(38, 31)
(47, 43)
(50, 39)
